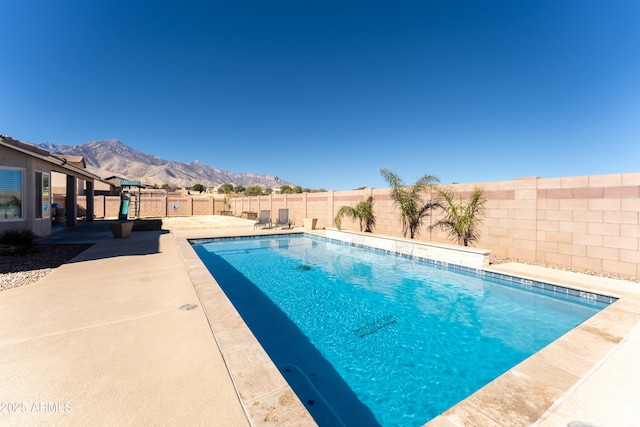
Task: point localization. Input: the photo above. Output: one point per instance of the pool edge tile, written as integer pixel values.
(244, 375)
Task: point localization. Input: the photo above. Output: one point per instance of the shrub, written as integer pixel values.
(147, 224)
(21, 239)
(410, 200)
(363, 212)
(462, 219)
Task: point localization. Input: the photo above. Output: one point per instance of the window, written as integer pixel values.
(10, 194)
(43, 195)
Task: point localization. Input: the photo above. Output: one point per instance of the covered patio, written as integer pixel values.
(25, 186)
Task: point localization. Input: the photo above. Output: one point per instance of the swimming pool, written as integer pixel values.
(384, 339)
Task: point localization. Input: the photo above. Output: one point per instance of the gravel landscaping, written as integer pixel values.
(502, 260)
(25, 269)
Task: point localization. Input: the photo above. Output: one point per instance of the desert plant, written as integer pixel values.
(21, 239)
(410, 200)
(461, 219)
(363, 212)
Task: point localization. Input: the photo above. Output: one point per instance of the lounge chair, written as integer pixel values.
(283, 218)
(264, 220)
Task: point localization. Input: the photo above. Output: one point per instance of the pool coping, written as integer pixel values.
(267, 398)
(537, 391)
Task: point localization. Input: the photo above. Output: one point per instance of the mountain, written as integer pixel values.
(111, 157)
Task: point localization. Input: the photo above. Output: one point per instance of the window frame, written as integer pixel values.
(43, 206)
(22, 194)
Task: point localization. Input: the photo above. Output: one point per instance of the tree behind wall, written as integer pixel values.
(198, 187)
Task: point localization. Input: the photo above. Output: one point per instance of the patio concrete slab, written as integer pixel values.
(102, 341)
(607, 397)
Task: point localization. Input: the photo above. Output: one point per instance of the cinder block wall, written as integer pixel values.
(296, 203)
(588, 223)
(153, 206)
(203, 205)
(321, 206)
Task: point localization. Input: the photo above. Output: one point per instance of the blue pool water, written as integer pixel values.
(370, 338)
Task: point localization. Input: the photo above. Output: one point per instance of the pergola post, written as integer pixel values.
(90, 202)
(71, 200)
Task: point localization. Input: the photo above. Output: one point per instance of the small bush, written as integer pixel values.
(147, 224)
(22, 239)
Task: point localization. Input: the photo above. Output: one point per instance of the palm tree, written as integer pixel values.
(363, 212)
(410, 200)
(462, 220)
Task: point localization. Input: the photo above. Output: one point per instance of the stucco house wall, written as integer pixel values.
(29, 166)
(31, 161)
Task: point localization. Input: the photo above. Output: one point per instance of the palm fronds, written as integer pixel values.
(363, 212)
(461, 220)
(410, 200)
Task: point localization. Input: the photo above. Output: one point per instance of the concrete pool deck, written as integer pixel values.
(102, 341)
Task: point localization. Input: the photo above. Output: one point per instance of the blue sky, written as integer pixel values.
(325, 93)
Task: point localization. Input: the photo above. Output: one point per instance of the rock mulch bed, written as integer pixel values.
(502, 260)
(25, 269)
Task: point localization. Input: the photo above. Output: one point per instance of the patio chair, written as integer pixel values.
(283, 218)
(264, 220)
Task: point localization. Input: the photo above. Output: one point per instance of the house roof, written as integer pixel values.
(23, 145)
(120, 182)
(58, 163)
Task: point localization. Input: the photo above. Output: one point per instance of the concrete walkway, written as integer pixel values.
(102, 341)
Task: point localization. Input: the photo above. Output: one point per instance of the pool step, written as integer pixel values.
(374, 326)
(310, 396)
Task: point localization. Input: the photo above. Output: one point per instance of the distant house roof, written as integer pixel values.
(114, 180)
(77, 161)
